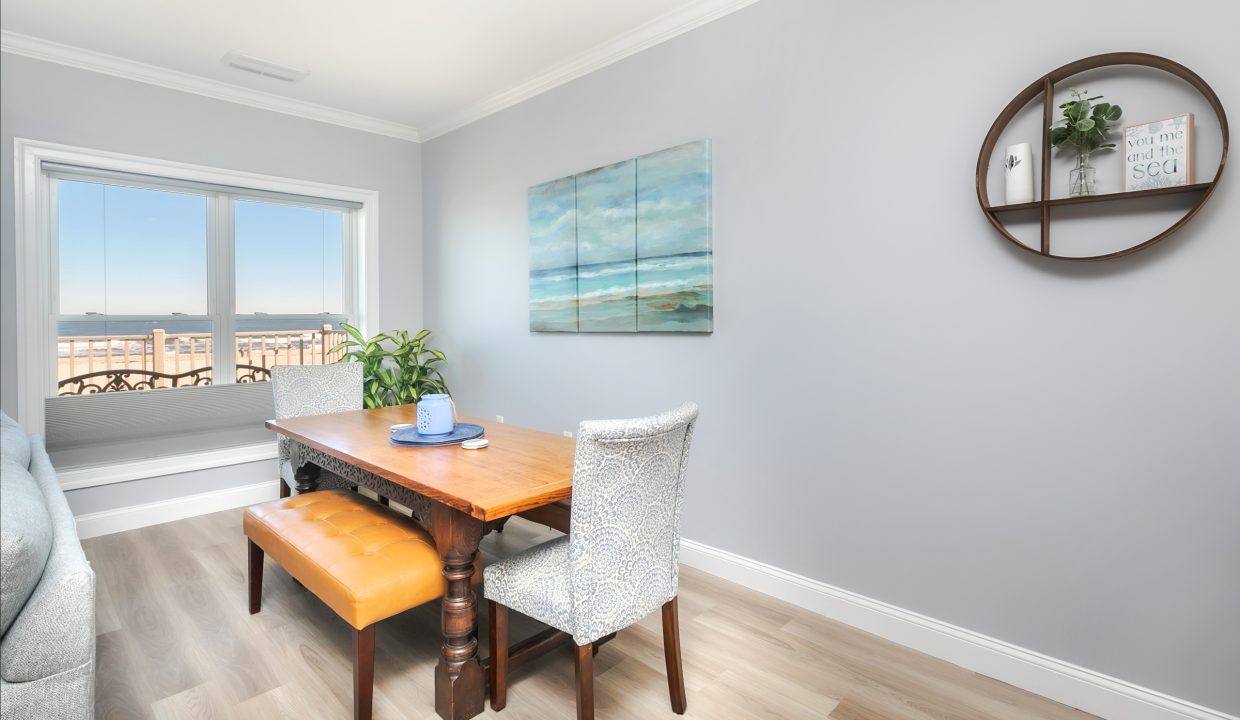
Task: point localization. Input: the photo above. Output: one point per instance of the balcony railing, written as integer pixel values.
(113, 363)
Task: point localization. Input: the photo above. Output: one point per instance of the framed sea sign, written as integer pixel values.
(1159, 154)
(625, 247)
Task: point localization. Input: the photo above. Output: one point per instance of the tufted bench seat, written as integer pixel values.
(367, 562)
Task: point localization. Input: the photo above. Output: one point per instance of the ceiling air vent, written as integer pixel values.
(249, 63)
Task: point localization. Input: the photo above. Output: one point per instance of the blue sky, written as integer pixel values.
(288, 259)
(131, 251)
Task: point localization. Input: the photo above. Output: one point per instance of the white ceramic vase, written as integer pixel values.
(1018, 174)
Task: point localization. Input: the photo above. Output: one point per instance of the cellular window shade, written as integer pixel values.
(88, 430)
(118, 177)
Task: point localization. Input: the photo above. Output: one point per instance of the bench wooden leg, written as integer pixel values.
(498, 667)
(671, 654)
(363, 672)
(583, 665)
(256, 575)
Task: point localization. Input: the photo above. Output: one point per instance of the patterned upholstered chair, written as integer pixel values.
(311, 390)
(619, 562)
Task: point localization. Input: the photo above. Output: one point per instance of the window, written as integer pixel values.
(185, 280)
(163, 284)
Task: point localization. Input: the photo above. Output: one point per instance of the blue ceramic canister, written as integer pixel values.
(435, 415)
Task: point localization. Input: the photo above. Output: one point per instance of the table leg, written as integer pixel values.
(460, 685)
(307, 478)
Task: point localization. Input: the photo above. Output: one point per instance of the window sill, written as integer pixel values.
(84, 477)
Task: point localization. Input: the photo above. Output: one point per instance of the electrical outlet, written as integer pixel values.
(499, 418)
(568, 433)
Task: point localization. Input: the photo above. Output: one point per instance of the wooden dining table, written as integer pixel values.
(454, 493)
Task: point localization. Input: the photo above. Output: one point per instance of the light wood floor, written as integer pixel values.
(175, 641)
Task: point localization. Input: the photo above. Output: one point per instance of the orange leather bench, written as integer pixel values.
(366, 561)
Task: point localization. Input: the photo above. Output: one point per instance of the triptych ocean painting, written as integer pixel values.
(626, 247)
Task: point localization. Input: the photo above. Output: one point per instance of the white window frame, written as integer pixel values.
(38, 272)
(221, 311)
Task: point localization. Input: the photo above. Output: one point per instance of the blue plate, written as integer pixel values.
(409, 436)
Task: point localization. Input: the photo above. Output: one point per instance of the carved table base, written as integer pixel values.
(460, 683)
(344, 475)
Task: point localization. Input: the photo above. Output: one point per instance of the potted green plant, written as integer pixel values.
(397, 368)
(1084, 128)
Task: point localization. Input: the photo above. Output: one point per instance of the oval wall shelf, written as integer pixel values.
(1046, 87)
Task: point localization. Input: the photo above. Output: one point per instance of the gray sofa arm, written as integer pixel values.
(55, 630)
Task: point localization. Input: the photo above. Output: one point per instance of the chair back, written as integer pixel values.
(316, 389)
(313, 390)
(624, 544)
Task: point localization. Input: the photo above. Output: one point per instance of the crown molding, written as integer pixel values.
(62, 54)
(661, 29)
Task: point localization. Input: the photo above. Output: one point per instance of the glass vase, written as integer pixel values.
(1082, 179)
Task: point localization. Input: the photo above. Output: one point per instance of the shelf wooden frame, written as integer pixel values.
(1046, 87)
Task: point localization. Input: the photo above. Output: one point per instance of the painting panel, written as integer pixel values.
(675, 282)
(553, 256)
(607, 249)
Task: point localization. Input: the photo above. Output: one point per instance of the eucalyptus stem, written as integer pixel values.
(1084, 127)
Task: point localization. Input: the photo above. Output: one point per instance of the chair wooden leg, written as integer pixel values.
(498, 619)
(583, 665)
(599, 643)
(285, 490)
(256, 575)
(671, 653)
(363, 672)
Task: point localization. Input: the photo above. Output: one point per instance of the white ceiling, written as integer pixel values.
(411, 68)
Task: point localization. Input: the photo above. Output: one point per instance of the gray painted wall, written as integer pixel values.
(45, 101)
(1042, 452)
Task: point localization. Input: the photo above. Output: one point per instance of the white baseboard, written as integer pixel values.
(129, 518)
(1063, 682)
